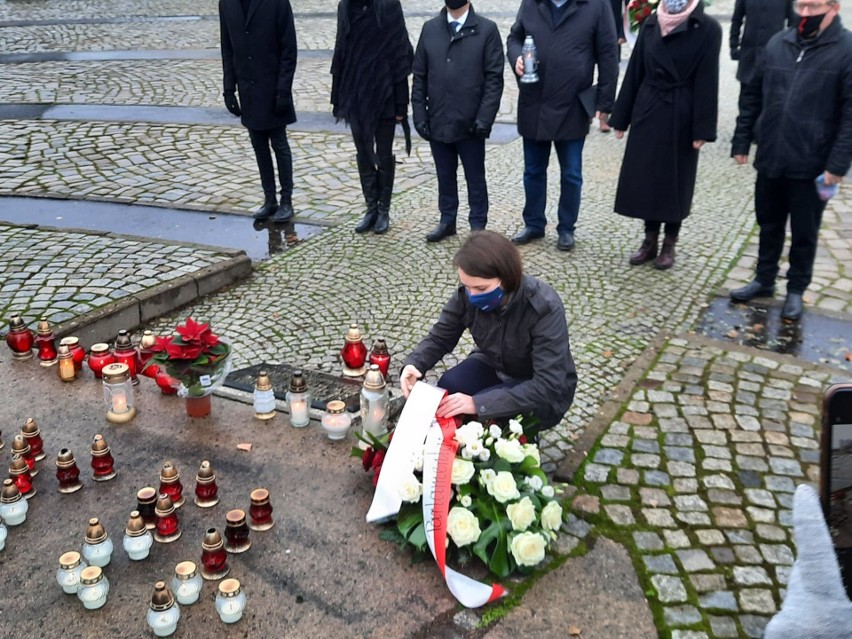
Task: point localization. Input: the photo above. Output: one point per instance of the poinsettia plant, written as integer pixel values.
(503, 511)
(196, 357)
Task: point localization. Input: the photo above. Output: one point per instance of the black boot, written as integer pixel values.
(370, 188)
(666, 259)
(285, 212)
(648, 251)
(387, 169)
(270, 206)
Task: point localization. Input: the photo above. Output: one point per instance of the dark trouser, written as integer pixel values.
(471, 151)
(672, 228)
(472, 376)
(774, 200)
(381, 145)
(536, 159)
(277, 139)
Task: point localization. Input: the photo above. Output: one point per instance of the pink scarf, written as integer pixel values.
(670, 21)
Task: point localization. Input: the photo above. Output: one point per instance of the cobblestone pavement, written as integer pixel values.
(697, 476)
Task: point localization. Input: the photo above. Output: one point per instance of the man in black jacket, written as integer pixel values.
(571, 37)
(799, 110)
(458, 82)
(259, 60)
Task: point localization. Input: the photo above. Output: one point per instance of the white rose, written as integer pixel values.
(466, 501)
(466, 454)
(495, 431)
(515, 427)
(489, 441)
(531, 450)
(503, 488)
(462, 526)
(462, 471)
(410, 490)
(510, 450)
(475, 447)
(551, 516)
(521, 514)
(469, 432)
(548, 491)
(485, 454)
(418, 462)
(534, 482)
(487, 476)
(528, 548)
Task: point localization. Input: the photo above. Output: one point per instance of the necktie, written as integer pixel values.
(454, 26)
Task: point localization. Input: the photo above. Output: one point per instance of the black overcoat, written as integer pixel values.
(550, 109)
(259, 59)
(763, 19)
(668, 99)
(458, 79)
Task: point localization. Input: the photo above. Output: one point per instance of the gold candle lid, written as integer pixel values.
(18, 466)
(95, 532)
(235, 517)
(116, 373)
(99, 445)
(212, 540)
(16, 323)
(135, 525)
(30, 428)
(99, 348)
(44, 327)
(259, 496)
(146, 495)
(91, 575)
(205, 473)
(374, 380)
(354, 333)
(20, 446)
(147, 340)
(162, 599)
(263, 382)
(69, 560)
(123, 342)
(10, 492)
(380, 346)
(185, 570)
(63, 352)
(335, 407)
(229, 588)
(298, 383)
(164, 506)
(65, 458)
(169, 474)
(70, 341)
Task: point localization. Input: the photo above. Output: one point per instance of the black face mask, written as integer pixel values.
(456, 4)
(809, 26)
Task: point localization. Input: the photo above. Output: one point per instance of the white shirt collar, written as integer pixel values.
(461, 19)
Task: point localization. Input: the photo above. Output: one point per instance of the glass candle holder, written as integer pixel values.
(530, 57)
(71, 565)
(374, 405)
(353, 353)
(299, 401)
(20, 474)
(236, 532)
(97, 550)
(45, 343)
(22, 448)
(206, 490)
(103, 465)
(93, 589)
(13, 507)
(137, 540)
(99, 356)
(65, 370)
(3, 534)
(264, 397)
(32, 435)
(214, 559)
(260, 510)
(170, 484)
(146, 504)
(380, 356)
(67, 472)
(78, 355)
(125, 353)
(163, 613)
(187, 583)
(19, 339)
(144, 355)
(336, 421)
(118, 393)
(168, 526)
(230, 601)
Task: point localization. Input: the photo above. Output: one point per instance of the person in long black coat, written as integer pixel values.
(763, 19)
(259, 61)
(369, 90)
(458, 82)
(669, 101)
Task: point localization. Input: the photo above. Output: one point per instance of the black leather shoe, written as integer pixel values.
(382, 223)
(751, 290)
(793, 307)
(269, 208)
(440, 232)
(565, 242)
(367, 223)
(526, 236)
(284, 213)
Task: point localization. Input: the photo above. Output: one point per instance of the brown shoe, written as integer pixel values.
(666, 259)
(648, 250)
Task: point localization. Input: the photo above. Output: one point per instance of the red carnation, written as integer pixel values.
(367, 459)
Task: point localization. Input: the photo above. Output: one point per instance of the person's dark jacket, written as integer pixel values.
(259, 59)
(799, 109)
(568, 50)
(525, 340)
(763, 19)
(458, 79)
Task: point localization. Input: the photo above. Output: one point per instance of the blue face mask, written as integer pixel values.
(489, 301)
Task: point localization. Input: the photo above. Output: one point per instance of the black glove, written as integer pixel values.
(735, 54)
(283, 103)
(231, 103)
(423, 131)
(480, 131)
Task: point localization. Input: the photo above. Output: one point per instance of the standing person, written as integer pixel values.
(571, 37)
(763, 19)
(799, 108)
(369, 90)
(669, 100)
(259, 60)
(522, 362)
(458, 82)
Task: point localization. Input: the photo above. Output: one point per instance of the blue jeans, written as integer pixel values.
(536, 159)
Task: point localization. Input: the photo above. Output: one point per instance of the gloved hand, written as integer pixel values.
(423, 131)
(408, 378)
(231, 103)
(480, 131)
(735, 54)
(283, 102)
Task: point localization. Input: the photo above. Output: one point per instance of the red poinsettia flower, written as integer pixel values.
(210, 339)
(161, 344)
(184, 351)
(192, 331)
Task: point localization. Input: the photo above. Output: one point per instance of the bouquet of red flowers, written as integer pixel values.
(196, 357)
(639, 10)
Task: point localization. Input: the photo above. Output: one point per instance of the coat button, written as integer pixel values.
(249, 57)
(449, 60)
(482, 409)
(246, 32)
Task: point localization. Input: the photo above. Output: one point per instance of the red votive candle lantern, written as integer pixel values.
(19, 473)
(214, 559)
(100, 356)
(206, 490)
(125, 353)
(32, 435)
(168, 384)
(103, 464)
(78, 355)
(45, 343)
(380, 356)
(260, 510)
(20, 339)
(67, 472)
(146, 504)
(168, 526)
(236, 532)
(354, 353)
(144, 354)
(22, 448)
(170, 484)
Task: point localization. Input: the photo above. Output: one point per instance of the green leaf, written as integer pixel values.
(529, 466)
(502, 465)
(410, 515)
(491, 547)
(417, 538)
(392, 535)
